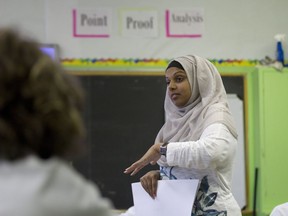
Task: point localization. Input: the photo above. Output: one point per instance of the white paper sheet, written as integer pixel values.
(174, 198)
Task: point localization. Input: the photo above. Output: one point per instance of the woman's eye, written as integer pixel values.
(179, 79)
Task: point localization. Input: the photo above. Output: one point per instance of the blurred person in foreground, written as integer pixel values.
(40, 129)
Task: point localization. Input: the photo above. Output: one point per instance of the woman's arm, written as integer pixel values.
(215, 146)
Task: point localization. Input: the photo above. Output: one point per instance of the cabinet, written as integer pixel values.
(270, 137)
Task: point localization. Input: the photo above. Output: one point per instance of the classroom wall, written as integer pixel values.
(232, 29)
(27, 15)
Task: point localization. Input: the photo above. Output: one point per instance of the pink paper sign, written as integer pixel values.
(91, 23)
(184, 23)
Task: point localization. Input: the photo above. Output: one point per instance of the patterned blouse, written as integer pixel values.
(209, 159)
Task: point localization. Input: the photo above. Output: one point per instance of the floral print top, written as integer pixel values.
(209, 159)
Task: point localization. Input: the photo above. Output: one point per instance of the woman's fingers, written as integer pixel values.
(154, 185)
(146, 185)
(137, 169)
(137, 166)
(150, 182)
(134, 168)
(151, 156)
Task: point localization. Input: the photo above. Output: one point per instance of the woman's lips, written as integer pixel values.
(174, 96)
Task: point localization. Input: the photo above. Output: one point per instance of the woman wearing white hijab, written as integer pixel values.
(198, 139)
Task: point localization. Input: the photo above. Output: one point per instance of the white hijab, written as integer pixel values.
(207, 104)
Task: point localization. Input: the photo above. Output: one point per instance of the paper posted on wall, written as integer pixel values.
(174, 198)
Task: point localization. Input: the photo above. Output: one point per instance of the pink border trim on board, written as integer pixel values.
(167, 14)
(75, 34)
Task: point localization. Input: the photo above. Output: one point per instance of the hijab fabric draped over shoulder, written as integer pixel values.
(207, 104)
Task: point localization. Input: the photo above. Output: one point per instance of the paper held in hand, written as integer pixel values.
(174, 198)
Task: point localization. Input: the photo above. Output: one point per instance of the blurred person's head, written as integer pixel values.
(39, 103)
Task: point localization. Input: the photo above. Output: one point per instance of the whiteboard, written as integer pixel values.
(238, 177)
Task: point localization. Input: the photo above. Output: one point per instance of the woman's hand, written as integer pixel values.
(151, 156)
(149, 182)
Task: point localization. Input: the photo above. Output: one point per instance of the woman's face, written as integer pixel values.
(179, 89)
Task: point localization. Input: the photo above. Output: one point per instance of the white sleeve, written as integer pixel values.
(280, 210)
(215, 146)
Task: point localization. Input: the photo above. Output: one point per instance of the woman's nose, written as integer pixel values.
(172, 85)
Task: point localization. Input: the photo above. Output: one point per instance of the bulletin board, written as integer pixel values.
(123, 114)
(216, 40)
(52, 22)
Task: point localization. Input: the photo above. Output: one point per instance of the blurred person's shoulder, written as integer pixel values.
(48, 187)
(280, 210)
